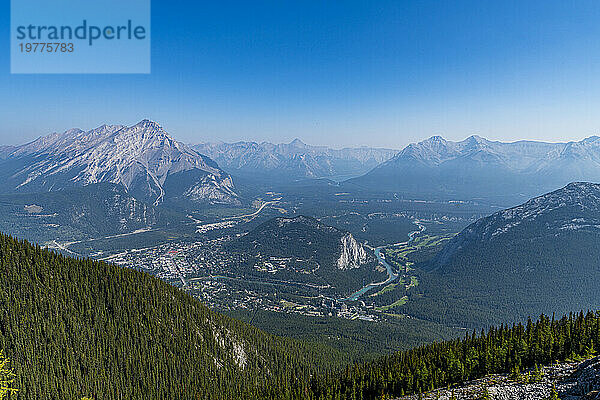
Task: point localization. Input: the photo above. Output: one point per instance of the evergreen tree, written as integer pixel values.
(7, 377)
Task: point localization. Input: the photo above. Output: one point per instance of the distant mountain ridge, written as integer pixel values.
(477, 167)
(142, 158)
(294, 160)
(5, 151)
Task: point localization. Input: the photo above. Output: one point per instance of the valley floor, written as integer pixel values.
(571, 380)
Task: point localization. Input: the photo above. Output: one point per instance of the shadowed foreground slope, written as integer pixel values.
(75, 328)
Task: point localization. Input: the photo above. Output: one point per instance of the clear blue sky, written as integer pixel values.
(381, 73)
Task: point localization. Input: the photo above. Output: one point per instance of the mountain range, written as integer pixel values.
(477, 168)
(294, 160)
(154, 168)
(143, 159)
(150, 340)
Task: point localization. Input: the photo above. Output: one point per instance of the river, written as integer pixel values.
(381, 259)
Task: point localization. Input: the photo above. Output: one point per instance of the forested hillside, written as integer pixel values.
(540, 257)
(79, 213)
(75, 328)
(501, 350)
(314, 253)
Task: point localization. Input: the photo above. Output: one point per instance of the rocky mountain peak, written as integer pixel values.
(140, 158)
(297, 143)
(352, 254)
(431, 151)
(435, 139)
(475, 141)
(475, 168)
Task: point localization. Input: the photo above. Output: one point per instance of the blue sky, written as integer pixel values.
(349, 73)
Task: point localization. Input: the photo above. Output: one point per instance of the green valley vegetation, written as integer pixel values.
(79, 328)
(302, 249)
(358, 340)
(541, 257)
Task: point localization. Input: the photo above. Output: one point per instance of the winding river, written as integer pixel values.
(381, 258)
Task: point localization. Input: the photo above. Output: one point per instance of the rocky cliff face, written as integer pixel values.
(210, 189)
(302, 249)
(352, 255)
(142, 158)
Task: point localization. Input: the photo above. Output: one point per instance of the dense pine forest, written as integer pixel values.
(78, 328)
(500, 350)
(74, 328)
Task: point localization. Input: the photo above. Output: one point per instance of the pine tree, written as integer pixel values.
(515, 373)
(7, 377)
(590, 351)
(537, 375)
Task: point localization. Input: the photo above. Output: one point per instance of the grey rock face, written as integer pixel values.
(478, 168)
(352, 255)
(572, 381)
(141, 158)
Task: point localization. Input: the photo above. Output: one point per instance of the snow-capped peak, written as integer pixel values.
(140, 155)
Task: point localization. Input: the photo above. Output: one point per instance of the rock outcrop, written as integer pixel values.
(352, 255)
(570, 381)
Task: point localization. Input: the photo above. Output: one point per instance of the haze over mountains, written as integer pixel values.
(154, 168)
(472, 169)
(480, 168)
(5, 151)
(275, 253)
(135, 169)
(110, 316)
(294, 160)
